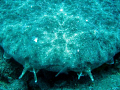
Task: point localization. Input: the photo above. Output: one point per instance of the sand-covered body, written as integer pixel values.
(60, 35)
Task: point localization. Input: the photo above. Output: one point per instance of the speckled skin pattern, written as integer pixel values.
(75, 35)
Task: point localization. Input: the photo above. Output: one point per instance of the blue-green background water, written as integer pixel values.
(35, 22)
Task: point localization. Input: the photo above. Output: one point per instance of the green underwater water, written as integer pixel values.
(55, 34)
